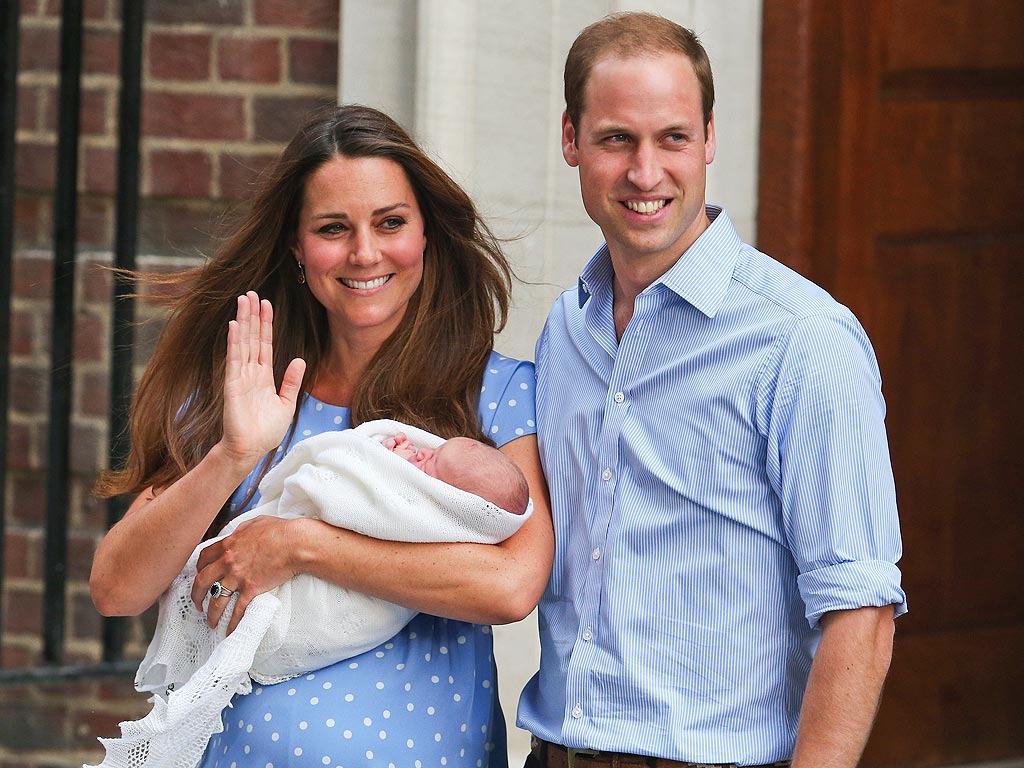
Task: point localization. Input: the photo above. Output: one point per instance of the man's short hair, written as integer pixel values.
(633, 34)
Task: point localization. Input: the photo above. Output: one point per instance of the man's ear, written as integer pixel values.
(569, 149)
(709, 140)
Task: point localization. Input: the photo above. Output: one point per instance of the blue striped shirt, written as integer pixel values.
(720, 478)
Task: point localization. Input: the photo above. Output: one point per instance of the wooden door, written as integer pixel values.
(892, 170)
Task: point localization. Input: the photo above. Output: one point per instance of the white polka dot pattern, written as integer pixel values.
(425, 698)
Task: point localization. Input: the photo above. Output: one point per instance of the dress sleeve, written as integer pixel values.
(507, 400)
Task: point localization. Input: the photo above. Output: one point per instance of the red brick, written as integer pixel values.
(313, 61)
(239, 174)
(23, 554)
(229, 12)
(96, 283)
(90, 337)
(99, 170)
(31, 213)
(28, 107)
(35, 166)
(34, 726)
(38, 49)
(175, 173)
(94, 113)
(94, 394)
(28, 389)
(19, 449)
(24, 611)
(250, 60)
(166, 227)
(28, 504)
(310, 14)
(277, 118)
(179, 56)
(88, 725)
(32, 276)
(88, 448)
(99, 10)
(86, 622)
(18, 658)
(23, 332)
(95, 221)
(89, 512)
(200, 116)
(101, 52)
(81, 548)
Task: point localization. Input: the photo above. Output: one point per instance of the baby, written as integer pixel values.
(469, 465)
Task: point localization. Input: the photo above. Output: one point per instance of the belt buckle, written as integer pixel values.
(574, 753)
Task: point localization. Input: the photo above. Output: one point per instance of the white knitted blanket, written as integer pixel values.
(349, 480)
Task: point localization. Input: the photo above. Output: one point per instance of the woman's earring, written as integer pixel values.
(302, 273)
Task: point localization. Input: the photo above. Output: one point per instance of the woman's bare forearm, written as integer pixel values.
(141, 555)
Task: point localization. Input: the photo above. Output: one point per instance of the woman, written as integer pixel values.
(383, 287)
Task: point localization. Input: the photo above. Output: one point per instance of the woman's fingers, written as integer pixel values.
(255, 326)
(238, 611)
(242, 319)
(292, 380)
(266, 339)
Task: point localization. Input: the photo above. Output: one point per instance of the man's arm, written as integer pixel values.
(844, 687)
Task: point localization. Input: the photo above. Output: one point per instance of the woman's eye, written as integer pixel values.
(332, 229)
(392, 222)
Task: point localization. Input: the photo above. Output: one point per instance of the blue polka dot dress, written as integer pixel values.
(425, 698)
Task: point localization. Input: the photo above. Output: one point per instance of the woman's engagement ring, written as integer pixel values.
(219, 590)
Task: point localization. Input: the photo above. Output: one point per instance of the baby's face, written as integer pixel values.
(442, 462)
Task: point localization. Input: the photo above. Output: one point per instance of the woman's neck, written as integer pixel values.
(341, 371)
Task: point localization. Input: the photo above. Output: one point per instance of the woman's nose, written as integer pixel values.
(364, 250)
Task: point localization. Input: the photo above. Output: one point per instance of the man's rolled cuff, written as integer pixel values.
(850, 585)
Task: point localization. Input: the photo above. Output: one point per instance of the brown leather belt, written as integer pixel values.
(552, 755)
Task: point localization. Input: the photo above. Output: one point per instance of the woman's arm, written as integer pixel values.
(141, 555)
(482, 583)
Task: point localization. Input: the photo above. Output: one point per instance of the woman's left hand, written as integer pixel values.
(254, 559)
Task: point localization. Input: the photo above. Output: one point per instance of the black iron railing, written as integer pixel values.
(62, 333)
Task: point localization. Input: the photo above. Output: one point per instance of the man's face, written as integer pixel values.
(642, 158)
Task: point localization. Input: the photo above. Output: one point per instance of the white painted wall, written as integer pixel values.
(479, 83)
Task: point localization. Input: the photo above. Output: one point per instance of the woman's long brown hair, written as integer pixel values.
(427, 373)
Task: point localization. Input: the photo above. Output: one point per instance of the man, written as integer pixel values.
(711, 427)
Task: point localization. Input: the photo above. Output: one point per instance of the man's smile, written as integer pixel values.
(645, 206)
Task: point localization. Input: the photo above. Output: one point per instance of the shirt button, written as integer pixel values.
(577, 712)
(619, 397)
(587, 635)
(606, 475)
(596, 554)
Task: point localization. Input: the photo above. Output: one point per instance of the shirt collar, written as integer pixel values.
(700, 276)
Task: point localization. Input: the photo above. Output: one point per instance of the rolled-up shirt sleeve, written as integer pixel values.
(829, 463)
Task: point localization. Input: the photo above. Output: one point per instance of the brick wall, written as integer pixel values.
(225, 84)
